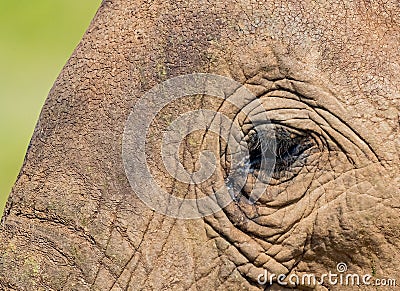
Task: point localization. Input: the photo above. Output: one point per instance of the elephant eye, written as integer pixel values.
(285, 148)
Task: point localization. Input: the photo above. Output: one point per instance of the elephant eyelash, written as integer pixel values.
(285, 148)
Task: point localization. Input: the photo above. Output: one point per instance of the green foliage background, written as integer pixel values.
(36, 39)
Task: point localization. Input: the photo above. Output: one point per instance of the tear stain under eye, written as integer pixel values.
(245, 166)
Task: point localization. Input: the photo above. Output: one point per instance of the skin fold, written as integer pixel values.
(326, 72)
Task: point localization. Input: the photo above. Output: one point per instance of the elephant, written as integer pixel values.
(325, 73)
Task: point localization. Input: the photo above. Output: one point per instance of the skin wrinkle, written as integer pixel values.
(319, 107)
(295, 222)
(316, 106)
(345, 48)
(226, 239)
(325, 119)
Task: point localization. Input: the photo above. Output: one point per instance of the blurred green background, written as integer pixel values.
(36, 39)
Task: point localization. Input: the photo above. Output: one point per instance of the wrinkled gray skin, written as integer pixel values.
(324, 69)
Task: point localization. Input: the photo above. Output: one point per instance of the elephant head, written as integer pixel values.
(317, 107)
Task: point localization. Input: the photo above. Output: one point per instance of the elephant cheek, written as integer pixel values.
(359, 228)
